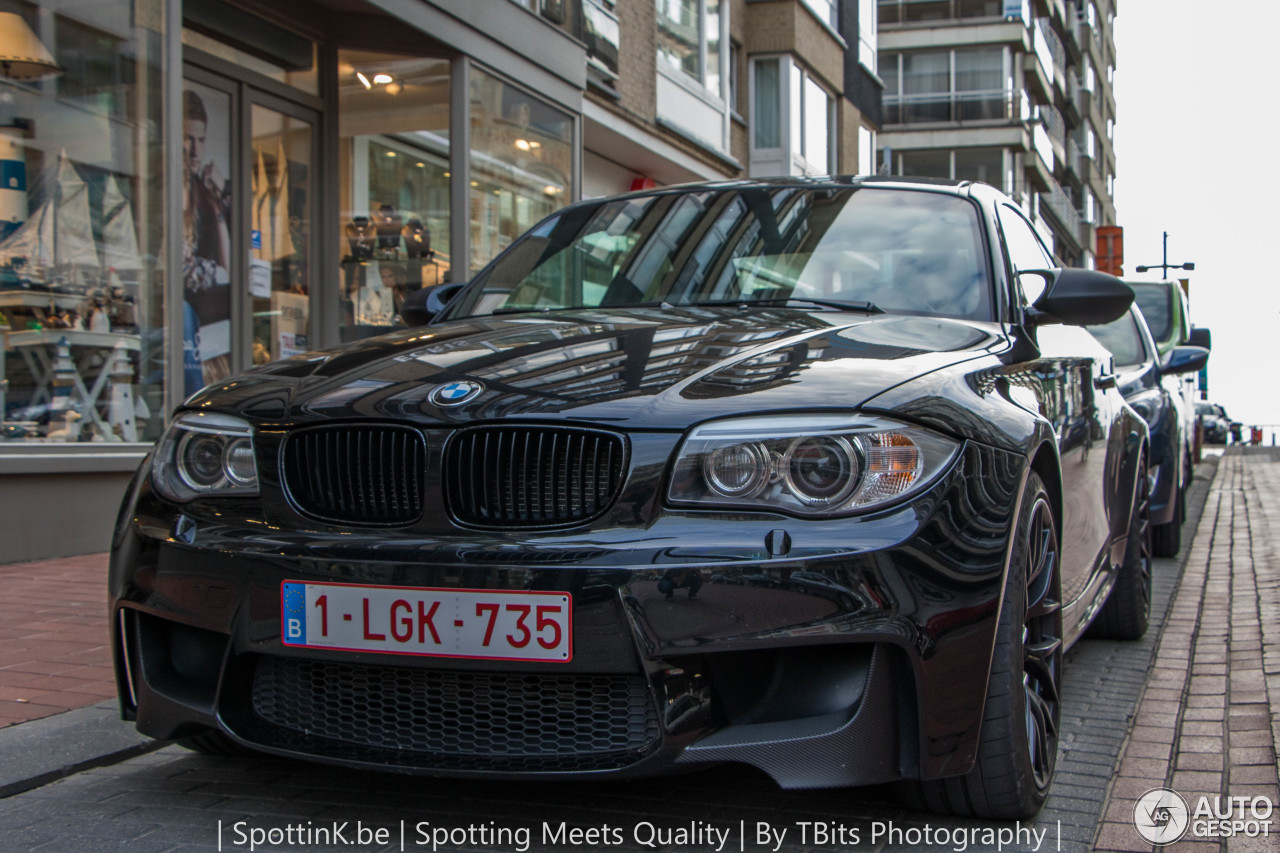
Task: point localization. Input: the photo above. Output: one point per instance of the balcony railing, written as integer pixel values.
(1053, 44)
(1073, 158)
(1058, 204)
(1053, 122)
(989, 105)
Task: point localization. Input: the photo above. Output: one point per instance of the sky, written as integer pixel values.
(1193, 157)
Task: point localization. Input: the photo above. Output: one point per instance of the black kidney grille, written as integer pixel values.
(452, 719)
(532, 476)
(356, 474)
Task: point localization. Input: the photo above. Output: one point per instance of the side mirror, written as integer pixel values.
(1080, 298)
(422, 306)
(1200, 337)
(1185, 360)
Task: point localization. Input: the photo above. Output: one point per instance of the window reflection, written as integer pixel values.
(521, 164)
(394, 179)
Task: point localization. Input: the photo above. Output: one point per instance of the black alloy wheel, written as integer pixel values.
(1042, 644)
(1128, 608)
(1018, 744)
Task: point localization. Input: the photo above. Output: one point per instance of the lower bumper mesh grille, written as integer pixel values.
(454, 720)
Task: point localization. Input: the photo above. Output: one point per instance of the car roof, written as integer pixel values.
(954, 187)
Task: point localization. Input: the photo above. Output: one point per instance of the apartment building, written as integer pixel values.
(705, 89)
(1016, 93)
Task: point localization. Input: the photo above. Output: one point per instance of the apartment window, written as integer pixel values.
(815, 121)
(979, 164)
(680, 29)
(1111, 185)
(1090, 142)
(917, 11)
(826, 10)
(1090, 212)
(792, 120)
(1090, 79)
(962, 164)
(867, 33)
(1111, 129)
(694, 65)
(949, 85)
(689, 36)
(766, 113)
(866, 151)
(925, 164)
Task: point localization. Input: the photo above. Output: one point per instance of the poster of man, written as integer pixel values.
(206, 240)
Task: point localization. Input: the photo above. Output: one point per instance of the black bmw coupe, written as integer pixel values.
(815, 475)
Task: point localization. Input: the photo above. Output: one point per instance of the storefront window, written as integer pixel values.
(280, 222)
(521, 164)
(394, 180)
(81, 224)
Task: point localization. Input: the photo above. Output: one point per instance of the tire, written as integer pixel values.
(1128, 607)
(216, 743)
(1166, 539)
(1018, 744)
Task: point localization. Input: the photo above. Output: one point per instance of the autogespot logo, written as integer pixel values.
(1161, 816)
(456, 393)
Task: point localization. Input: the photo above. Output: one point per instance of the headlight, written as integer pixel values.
(1149, 405)
(806, 465)
(205, 455)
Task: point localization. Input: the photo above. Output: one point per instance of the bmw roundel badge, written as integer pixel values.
(455, 393)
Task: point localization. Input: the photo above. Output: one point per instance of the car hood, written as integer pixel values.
(640, 367)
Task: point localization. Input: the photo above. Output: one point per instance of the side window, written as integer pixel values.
(1026, 252)
(1123, 339)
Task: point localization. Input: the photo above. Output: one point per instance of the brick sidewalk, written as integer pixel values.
(54, 652)
(1210, 715)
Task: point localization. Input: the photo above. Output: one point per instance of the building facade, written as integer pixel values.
(1016, 93)
(193, 187)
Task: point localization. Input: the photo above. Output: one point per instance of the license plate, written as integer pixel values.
(455, 623)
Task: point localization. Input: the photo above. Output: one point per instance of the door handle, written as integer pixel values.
(1105, 381)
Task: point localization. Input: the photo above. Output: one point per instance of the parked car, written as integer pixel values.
(1142, 376)
(1167, 311)
(1216, 423)
(371, 556)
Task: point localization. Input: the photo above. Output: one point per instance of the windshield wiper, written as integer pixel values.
(864, 307)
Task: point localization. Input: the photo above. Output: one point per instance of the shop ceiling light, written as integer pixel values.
(381, 79)
(523, 144)
(365, 80)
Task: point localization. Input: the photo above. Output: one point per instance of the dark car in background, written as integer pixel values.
(820, 476)
(1215, 422)
(1141, 372)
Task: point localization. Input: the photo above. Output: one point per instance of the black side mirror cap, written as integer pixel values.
(1185, 360)
(1200, 337)
(1080, 297)
(423, 306)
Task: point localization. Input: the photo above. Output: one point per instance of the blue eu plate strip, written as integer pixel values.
(294, 617)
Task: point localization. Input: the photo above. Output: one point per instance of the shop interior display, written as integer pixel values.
(68, 304)
(387, 258)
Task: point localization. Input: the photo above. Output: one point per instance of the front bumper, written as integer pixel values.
(858, 655)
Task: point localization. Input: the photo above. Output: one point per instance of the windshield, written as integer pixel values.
(869, 249)
(1155, 301)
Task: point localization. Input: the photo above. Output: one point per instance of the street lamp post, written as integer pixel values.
(1165, 266)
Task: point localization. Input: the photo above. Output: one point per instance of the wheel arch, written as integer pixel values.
(1045, 463)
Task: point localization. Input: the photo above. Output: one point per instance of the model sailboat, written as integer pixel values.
(55, 245)
(119, 239)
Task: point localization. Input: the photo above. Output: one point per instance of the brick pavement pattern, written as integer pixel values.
(54, 652)
(1209, 720)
